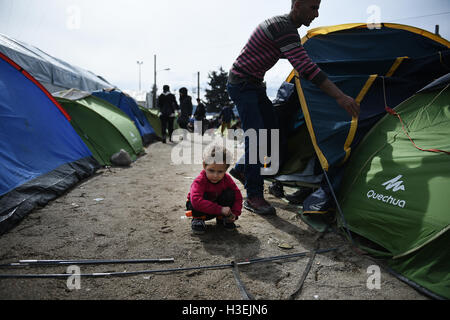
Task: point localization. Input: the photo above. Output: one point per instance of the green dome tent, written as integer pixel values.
(396, 189)
(152, 116)
(104, 128)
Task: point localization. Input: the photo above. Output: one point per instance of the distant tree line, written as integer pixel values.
(217, 96)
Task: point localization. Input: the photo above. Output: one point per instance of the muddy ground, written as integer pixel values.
(138, 212)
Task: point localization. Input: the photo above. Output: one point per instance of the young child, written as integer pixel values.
(213, 193)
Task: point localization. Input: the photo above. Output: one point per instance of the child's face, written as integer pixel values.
(215, 172)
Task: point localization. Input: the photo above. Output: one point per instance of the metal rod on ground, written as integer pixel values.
(414, 285)
(307, 269)
(28, 263)
(302, 280)
(244, 292)
(134, 273)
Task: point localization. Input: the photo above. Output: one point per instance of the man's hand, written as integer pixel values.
(349, 104)
(346, 102)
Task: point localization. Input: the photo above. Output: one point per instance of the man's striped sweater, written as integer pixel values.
(275, 39)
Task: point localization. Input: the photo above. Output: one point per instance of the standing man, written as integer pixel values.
(186, 108)
(167, 104)
(200, 111)
(200, 115)
(274, 39)
(226, 115)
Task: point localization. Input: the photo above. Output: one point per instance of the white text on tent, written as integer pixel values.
(386, 199)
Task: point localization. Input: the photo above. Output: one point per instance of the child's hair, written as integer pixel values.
(217, 153)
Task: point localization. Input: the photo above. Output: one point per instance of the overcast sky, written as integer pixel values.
(108, 37)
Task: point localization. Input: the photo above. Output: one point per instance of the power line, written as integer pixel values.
(424, 16)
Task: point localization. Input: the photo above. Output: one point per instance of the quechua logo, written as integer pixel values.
(395, 185)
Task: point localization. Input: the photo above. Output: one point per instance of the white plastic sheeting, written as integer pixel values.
(53, 73)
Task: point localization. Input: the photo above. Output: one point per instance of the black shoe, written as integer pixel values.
(238, 175)
(198, 226)
(229, 226)
(299, 196)
(259, 206)
(276, 189)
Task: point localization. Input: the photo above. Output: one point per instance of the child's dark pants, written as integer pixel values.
(225, 199)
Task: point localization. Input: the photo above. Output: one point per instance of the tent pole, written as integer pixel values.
(339, 208)
(29, 263)
(414, 285)
(135, 273)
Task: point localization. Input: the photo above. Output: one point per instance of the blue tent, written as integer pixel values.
(130, 107)
(41, 155)
(379, 68)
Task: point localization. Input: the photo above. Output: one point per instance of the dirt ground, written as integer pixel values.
(138, 212)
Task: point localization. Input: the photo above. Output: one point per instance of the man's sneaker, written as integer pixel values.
(259, 206)
(238, 175)
(299, 196)
(198, 226)
(276, 189)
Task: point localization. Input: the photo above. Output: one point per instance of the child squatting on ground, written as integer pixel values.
(213, 194)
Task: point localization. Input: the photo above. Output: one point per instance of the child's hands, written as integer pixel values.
(231, 218)
(226, 211)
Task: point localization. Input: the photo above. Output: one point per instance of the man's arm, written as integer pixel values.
(191, 108)
(290, 46)
(175, 103)
(345, 101)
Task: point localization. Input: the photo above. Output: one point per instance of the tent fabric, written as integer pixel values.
(53, 73)
(152, 116)
(104, 128)
(379, 68)
(396, 195)
(437, 84)
(353, 60)
(40, 153)
(130, 107)
(429, 267)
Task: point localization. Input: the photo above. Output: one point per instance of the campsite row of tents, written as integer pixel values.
(392, 193)
(59, 124)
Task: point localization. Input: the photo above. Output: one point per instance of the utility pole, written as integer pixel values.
(198, 85)
(154, 75)
(140, 63)
(154, 82)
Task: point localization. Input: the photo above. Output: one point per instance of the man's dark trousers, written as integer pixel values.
(256, 112)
